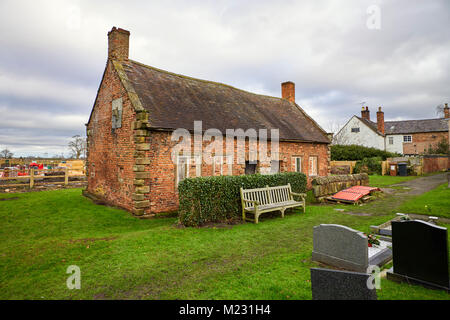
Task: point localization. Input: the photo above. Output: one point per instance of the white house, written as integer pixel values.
(407, 137)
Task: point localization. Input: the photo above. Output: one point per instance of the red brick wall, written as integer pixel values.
(421, 142)
(163, 195)
(435, 164)
(131, 167)
(110, 154)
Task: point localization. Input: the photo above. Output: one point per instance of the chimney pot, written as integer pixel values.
(288, 91)
(118, 44)
(446, 111)
(365, 113)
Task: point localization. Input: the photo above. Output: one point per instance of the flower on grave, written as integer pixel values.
(372, 240)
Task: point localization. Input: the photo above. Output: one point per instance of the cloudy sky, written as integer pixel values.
(338, 53)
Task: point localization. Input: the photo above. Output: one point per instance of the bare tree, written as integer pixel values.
(77, 146)
(440, 110)
(6, 154)
(339, 137)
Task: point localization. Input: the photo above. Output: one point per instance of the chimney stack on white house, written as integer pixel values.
(446, 111)
(118, 44)
(380, 120)
(365, 113)
(288, 91)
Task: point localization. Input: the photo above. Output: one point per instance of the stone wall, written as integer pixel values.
(325, 186)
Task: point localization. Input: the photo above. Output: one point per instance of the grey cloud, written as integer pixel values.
(54, 53)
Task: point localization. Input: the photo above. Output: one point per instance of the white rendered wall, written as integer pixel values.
(365, 137)
(398, 143)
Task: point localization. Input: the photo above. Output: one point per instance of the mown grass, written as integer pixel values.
(121, 257)
(434, 202)
(385, 181)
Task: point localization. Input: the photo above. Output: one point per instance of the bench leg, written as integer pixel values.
(256, 218)
(304, 206)
(282, 212)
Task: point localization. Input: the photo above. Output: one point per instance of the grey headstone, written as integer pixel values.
(340, 285)
(341, 247)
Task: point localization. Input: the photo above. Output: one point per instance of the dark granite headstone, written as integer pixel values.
(329, 284)
(420, 253)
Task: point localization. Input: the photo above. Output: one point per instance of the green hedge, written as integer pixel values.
(355, 153)
(369, 166)
(218, 199)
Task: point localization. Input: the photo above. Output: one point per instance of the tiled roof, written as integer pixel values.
(409, 126)
(416, 126)
(175, 101)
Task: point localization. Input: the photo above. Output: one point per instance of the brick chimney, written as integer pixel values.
(365, 113)
(380, 120)
(288, 91)
(118, 44)
(446, 111)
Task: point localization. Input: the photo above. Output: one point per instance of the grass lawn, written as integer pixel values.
(434, 202)
(384, 181)
(42, 233)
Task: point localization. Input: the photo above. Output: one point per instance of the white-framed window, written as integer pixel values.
(355, 129)
(182, 168)
(313, 166)
(230, 165)
(391, 140)
(407, 139)
(297, 164)
(217, 165)
(198, 165)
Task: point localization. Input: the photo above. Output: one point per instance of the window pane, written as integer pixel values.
(274, 166)
(250, 168)
(182, 168)
(312, 166)
(298, 164)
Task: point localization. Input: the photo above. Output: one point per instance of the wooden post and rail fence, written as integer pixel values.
(36, 177)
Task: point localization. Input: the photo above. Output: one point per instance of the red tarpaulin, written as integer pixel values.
(354, 193)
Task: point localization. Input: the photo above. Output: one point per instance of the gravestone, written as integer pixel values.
(420, 251)
(345, 248)
(341, 247)
(329, 284)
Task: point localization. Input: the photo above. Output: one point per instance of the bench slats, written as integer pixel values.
(269, 199)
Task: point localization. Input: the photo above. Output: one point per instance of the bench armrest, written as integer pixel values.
(255, 202)
(302, 195)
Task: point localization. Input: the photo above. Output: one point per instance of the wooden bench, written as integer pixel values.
(258, 201)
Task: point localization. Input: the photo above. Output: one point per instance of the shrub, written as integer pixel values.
(355, 153)
(369, 166)
(218, 199)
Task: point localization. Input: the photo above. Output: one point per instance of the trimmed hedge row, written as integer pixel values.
(355, 153)
(369, 166)
(218, 199)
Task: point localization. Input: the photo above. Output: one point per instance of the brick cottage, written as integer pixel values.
(137, 108)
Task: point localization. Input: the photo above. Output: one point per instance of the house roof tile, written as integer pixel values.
(175, 101)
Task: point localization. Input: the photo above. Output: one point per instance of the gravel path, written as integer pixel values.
(424, 184)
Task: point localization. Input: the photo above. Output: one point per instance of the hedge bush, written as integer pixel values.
(369, 166)
(355, 153)
(218, 199)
